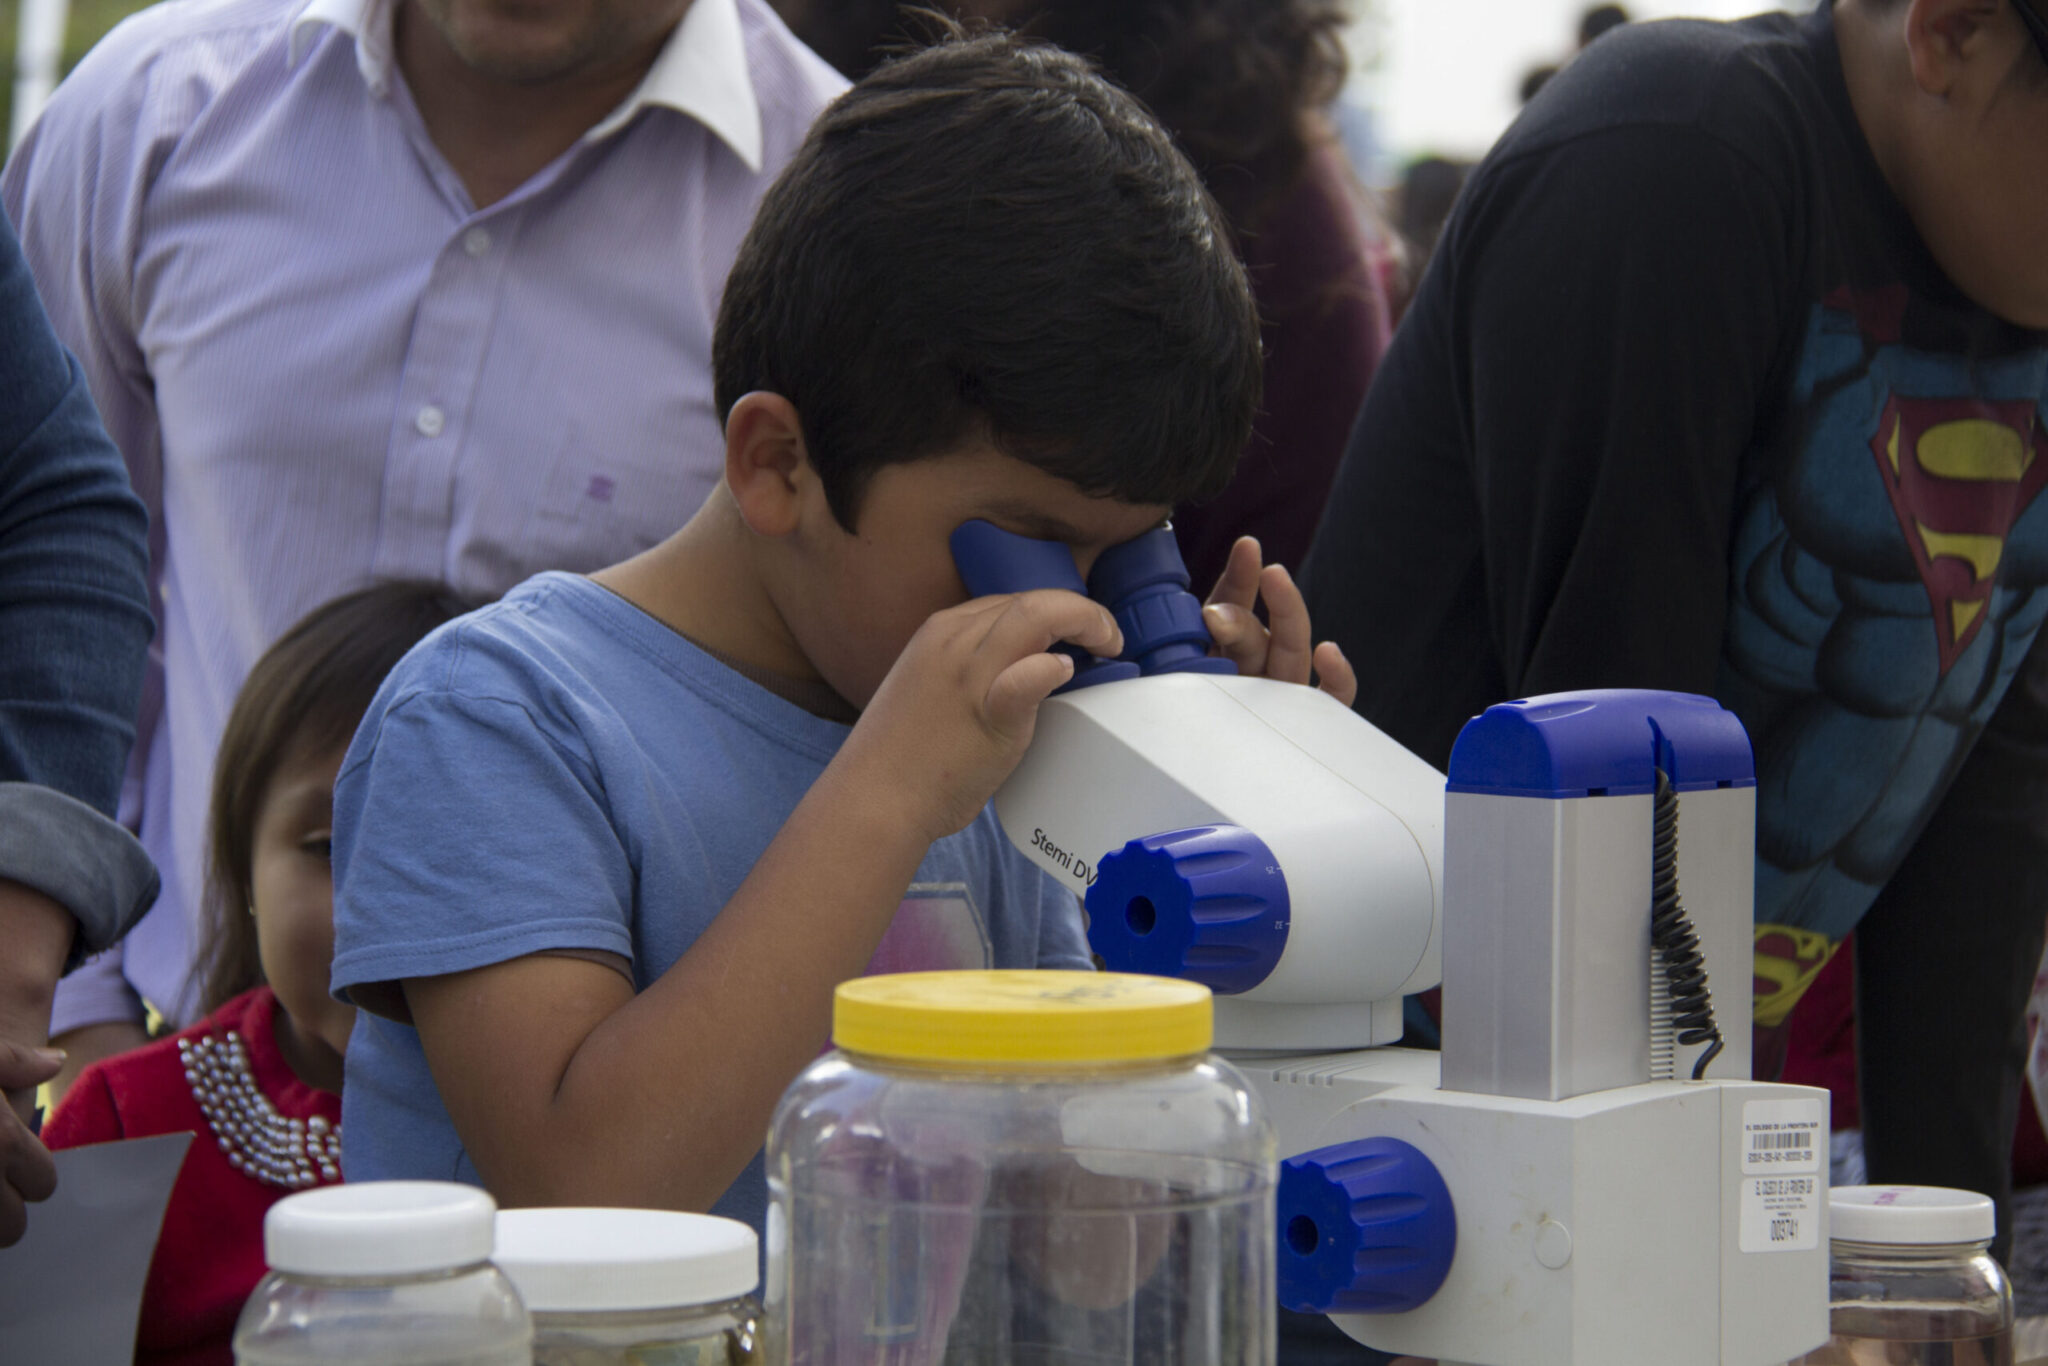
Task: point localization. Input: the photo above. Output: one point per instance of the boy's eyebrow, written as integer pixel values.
(1036, 523)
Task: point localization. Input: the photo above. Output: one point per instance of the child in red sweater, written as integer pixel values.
(258, 1081)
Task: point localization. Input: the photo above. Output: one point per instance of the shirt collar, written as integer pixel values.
(701, 71)
(366, 21)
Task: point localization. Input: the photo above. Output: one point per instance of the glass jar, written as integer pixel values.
(1021, 1168)
(385, 1273)
(631, 1287)
(1911, 1280)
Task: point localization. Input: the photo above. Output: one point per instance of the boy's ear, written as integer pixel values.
(1947, 40)
(766, 462)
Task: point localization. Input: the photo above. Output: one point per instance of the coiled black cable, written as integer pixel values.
(1673, 939)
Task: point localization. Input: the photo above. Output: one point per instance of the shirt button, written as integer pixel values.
(476, 241)
(430, 421)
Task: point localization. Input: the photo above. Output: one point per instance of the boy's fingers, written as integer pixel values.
(1334, 673)
(1033, 621)
(1239, 636)
(1017, 690)
(1289, 652)
(1239, 583)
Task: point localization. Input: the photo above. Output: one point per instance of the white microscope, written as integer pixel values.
(1584, 1176)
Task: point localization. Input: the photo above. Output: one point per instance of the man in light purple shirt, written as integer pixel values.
(372, 288)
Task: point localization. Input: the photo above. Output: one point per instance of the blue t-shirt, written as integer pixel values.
(561, 771)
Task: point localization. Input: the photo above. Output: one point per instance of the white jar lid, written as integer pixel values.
(379, 1228)
(1910, 1215)
(579, 1260)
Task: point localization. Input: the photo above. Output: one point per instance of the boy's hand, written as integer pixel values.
(957, 710)
(1283, 651)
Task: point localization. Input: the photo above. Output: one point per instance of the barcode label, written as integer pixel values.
(1781, 1136)
(1784, 1143)
(1780, 1213)
(1799, 1140)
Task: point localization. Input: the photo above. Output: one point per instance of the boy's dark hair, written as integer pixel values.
(305, 696)
(986, 239)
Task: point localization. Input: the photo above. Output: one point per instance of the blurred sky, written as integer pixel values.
(1447, 70)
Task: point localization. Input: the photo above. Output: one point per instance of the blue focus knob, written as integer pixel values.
(992, 560)
(1145, 584)
(1207, 904)
(1366, 1227)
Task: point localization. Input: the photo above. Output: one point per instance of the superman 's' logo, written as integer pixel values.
(1787, 961)
(1960, 472)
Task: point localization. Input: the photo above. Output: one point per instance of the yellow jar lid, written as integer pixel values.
(1026, 1017)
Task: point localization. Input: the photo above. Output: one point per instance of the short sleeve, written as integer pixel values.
(1062, 943)
(87, 1114)
(467, 833)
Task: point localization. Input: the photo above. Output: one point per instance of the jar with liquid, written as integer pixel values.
(384, 1273)
(1020, 1169)
(1911, 1281)
(629, 1287)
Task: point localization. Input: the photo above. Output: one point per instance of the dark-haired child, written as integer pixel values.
(603, 850)
(256, 1081)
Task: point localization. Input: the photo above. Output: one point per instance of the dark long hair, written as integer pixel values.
(305, 696)
(1240, 84)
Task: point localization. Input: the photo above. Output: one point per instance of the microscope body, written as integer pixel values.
(1611, 1228)
(1314, 955)
(1585, 1175)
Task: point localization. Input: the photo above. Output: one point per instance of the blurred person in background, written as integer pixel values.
(1599, 19)
(384, 288)
(1534, 79)
(1595, 21)
(1428, 190)
(1243, 85)
(74, 633)
(1731, 382)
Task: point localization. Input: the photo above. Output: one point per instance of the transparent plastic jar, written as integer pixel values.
(1020, 1169)
(1911, 1281)
(385, 1273)
(633, 1287)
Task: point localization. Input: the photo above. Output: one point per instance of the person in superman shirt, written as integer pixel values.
(1728, 378)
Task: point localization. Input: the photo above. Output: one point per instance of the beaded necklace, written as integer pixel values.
(259, 1142)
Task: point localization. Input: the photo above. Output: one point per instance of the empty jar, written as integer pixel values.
(632, 1287)
(1911, 1281)
(385, 1273)
(1022, 1168)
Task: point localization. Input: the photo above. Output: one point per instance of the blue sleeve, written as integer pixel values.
(467, 833)
(1061, 941)
(74, 563)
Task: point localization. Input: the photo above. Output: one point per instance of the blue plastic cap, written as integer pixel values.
(1208, 905)
(992, 560)
(1366, 1227)
(1145, 584)
(1604, 742)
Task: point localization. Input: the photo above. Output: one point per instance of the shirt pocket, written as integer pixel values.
(602, 502)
